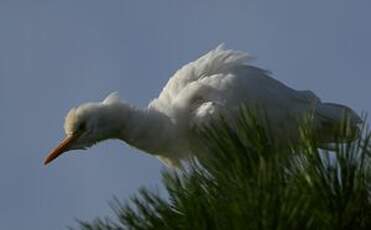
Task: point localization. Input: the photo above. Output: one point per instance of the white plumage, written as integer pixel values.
(219, 82)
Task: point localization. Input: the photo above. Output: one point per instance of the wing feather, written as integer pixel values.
(190, 76)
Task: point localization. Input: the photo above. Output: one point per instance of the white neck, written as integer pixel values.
(148, 130)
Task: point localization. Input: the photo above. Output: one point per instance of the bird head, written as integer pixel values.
(85, 125)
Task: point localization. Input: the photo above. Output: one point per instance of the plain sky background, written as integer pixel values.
(58, 54)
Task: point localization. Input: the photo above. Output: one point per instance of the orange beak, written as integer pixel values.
(61, 148)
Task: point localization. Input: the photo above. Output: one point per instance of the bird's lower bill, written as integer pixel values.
(61, 148)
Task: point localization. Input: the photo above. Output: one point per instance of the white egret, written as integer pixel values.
(218, 82)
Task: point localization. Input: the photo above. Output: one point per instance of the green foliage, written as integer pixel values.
(242, 180)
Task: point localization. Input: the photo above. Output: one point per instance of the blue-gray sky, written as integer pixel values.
(57, 54)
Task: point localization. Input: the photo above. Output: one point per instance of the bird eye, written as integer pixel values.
(82, 126)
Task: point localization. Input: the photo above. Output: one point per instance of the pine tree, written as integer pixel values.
(242, 181)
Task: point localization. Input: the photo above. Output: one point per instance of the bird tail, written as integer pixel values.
(336, 123)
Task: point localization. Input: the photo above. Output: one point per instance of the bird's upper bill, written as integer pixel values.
(64, 146)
